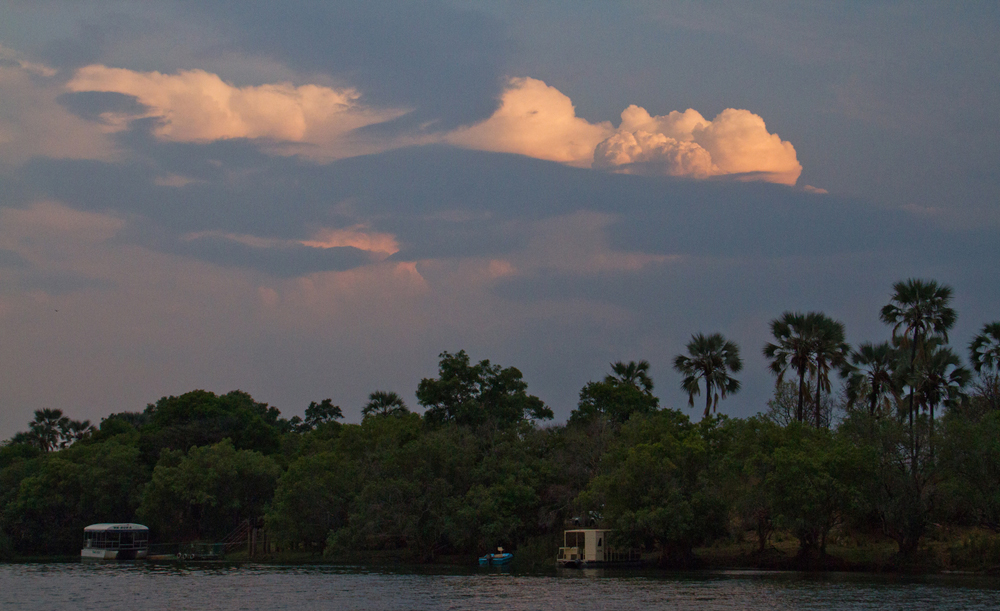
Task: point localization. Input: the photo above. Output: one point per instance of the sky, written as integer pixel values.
(314, 199)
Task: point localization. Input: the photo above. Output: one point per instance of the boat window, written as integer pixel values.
(599, 542)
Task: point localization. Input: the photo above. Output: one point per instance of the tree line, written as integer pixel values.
(910, 442)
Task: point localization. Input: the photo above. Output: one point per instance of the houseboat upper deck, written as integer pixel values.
(115, 541)
(588, 547)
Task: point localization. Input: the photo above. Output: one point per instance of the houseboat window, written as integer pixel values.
(599, 540)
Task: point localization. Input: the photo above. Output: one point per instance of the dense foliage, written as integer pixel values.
(911, 442)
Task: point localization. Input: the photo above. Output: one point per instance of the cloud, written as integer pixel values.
(198, 106)
(536, 120)
(686, 144)
(33, 122)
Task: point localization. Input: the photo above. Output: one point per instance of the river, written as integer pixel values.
(109, 587)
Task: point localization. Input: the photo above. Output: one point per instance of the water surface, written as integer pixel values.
(109, 587)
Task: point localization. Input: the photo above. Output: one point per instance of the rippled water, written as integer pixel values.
(201, 588)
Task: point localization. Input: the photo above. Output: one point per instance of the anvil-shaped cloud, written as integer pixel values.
(533, 119)
(537, 120)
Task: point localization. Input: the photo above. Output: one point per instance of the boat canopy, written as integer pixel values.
(126, 526)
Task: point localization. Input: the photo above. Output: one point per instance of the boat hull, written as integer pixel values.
(112, 554)
(496, 559)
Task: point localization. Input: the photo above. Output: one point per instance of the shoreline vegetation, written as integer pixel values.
(882, 457)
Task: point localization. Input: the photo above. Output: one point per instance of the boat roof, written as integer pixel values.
(115, 526)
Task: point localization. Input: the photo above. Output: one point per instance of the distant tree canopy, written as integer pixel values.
(200, 418)
(626, 391)
(51, 430)
(477, 395)
(908, 447)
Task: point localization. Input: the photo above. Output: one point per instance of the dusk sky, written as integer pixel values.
(314, 199)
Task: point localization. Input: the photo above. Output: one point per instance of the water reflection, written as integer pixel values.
(183, 587)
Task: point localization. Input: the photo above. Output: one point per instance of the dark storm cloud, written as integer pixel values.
(442, 202)
(91, 105)
(282, 260)
(446, 63)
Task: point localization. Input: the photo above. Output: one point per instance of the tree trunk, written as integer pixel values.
(800, 411)
(818, 410)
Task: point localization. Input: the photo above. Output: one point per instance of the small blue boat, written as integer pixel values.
(498, 559)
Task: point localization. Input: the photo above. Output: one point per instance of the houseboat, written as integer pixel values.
(115, 542)
(588, 547)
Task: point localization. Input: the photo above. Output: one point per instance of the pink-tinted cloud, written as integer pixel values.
(536, 120)
(359, 236)
(198, 106)
(686, 144)
(33, 123)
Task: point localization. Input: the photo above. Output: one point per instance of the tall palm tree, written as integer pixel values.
(711, 359)
(872, 371)
(984, 350)
(383, 403)
(917, 311)
(830, 351)
(631, 373)
(984, 354)
(792, 350)
(941, 380)
(47, 428)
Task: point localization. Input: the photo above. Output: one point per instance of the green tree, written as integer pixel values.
(941, 381)
(384, 403)
(984, 354)
(201, 418)
(917, 311)
(895, 493)
(712, 359)
(322, 413)
(206, 492)
(312, 498)
(83, 484)
(792, 351)
(830, 351)
(632, 373)
(970, 461)
(655, 489)
(51, 430)
(745, 468)
(477, 395)
(626, 391)
(871, 377)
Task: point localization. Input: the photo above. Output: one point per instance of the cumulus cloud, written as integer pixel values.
(198, 106)
(536, 120)
(686, 144)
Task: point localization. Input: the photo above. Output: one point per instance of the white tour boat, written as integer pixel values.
(115, 541)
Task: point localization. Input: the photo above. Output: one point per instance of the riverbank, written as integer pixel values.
(970, 551)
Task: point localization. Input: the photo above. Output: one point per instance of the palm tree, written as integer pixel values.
(984, 350)
(712, 359)
(793, 350)
(47, 428)
(631, 373)
(872, 371)
(984, 354)
(384, 403)
(917, 311)
(941, 379)
(829, 351)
